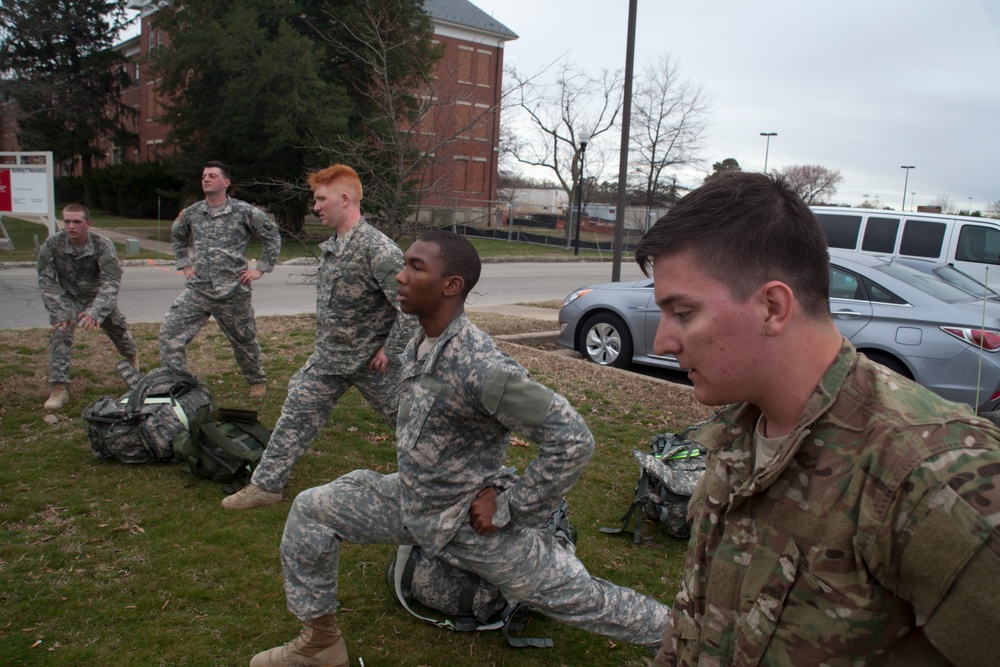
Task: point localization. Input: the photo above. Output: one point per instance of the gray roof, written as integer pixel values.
(464, 13)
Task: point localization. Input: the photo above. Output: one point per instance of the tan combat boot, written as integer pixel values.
(320, 645)
(251, 496)
(59, 397)
(258, 391)
(134, 360)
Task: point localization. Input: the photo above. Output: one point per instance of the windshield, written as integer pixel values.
(925, 282)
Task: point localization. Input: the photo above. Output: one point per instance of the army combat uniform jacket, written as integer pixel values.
(457, 407)
(871, 538)
(356, 308)
(215, 245)
(78, 280)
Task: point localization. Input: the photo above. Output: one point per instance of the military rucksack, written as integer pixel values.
(223, 445)
(670, 472)
(468, 602)
(140, 426)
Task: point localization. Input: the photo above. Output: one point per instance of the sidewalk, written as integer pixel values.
(148, 244)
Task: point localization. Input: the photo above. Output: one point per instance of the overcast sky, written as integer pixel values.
(857, 85)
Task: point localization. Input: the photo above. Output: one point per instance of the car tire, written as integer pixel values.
(890, 362)
(605, 340)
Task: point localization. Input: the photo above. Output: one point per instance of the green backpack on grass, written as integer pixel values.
(223, 445)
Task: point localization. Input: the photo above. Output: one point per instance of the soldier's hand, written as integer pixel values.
(379, 361)
(62, 326)
(87, 322)
(247, 276)
(482, 510)
(188, 272)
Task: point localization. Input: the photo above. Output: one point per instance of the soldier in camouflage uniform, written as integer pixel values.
(79, 275)
(360, 333)
(847, 516)
(210, 240)
(460, 400)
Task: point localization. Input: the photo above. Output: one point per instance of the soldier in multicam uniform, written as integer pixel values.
(210, 240)
(79, 275)
(847, 516)
(460, 400)
(360, 333)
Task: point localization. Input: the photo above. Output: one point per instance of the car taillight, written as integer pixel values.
(988, 340)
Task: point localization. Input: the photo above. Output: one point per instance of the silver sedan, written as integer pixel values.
(908, 320)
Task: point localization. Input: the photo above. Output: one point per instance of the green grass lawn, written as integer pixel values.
(109, 564)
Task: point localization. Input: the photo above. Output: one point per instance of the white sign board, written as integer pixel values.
(27, 185)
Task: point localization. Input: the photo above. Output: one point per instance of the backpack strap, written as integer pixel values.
(403, 571)
(514, 617)
(641, 495)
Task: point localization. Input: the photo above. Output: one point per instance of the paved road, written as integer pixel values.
(147, 291)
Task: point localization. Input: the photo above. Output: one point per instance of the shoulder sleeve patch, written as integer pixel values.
(519, 398)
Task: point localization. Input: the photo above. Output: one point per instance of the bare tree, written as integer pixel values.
(815, 184)
(576, 108)
(668, 125)
(944, 203)
(993, 209)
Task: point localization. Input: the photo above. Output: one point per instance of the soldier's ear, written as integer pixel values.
(453, 285)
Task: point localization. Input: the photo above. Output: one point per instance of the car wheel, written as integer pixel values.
(605, 340)
(890, 362)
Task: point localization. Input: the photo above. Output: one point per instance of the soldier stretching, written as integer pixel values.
(210, 240)
(79, 275)
(360, 332)
(461, 397)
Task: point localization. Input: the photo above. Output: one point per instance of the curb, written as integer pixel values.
(532, 338)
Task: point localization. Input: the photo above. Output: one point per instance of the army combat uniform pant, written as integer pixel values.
(527, 564)
(61, 341)
(312, 396)
(188, 314)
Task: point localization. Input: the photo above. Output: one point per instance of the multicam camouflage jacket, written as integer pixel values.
(215, 244)
(75, 280)
(457, 407)
(356, 307)
(871, 538)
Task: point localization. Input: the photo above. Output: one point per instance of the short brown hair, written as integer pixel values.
(77, 208)
(338, 172)
(745, 229)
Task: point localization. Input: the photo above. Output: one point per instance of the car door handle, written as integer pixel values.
(846, 313)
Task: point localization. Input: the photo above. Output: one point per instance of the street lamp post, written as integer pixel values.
(579, 195)
(970, 205)
(906, 181)
(767, 147)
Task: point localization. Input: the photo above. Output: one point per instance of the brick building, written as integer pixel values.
(464, 103)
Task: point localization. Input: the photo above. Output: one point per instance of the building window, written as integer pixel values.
(463, 118)
(483, 68)
(465, 55)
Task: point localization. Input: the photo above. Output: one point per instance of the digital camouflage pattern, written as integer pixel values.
(80, 280)
(356, 308)
(459, 405)
(356, 314)
(871, 538)
(214, 245)
(235, 317)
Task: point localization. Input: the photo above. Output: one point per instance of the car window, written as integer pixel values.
(978, 243)
(963, 281)
(925, 282)
(880, 294)
(922, 238)
(845, 285)
(880, 234)
(841, 230)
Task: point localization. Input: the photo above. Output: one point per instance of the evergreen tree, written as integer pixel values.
(63, 76)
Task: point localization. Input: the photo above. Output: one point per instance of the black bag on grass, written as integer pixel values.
(224, 446)
(141, 425)
(670, 473)
(468, 602)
